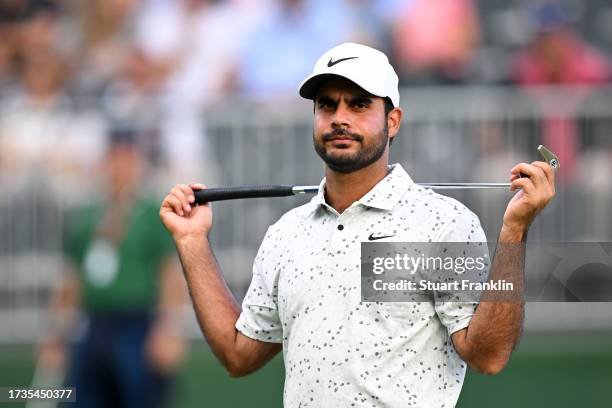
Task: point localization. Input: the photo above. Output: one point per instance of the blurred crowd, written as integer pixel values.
(70, 68)
(102, 102)
(74, 72)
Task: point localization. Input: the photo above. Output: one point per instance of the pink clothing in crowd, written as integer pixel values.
(560, 58)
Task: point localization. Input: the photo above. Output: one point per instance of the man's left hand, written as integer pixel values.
(536, 191)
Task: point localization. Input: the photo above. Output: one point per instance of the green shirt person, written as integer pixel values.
(124, 280)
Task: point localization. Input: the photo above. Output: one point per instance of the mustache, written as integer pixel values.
(342, 133)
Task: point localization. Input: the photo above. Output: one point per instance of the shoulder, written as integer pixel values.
(285, 230)
(453, 207)
(431, 202)
(292, 219)
(445, 214)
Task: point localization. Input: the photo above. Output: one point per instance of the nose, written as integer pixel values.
(341, 117)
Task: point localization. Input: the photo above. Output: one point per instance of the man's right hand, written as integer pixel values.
(183, 219)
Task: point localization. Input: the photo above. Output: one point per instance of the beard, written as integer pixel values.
(348, 163)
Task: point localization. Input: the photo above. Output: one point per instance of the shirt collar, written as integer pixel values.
(383, 195)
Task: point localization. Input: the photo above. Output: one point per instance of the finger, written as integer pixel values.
(548, 171)
(516, 170)
(197, 186)
(187, 191)
(531, 171)
(523, 183)
(183, 198)
(174, 203)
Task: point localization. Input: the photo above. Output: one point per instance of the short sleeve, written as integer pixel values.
(259, 318)
(456, 315)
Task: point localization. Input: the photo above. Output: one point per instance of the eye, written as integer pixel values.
(361, 104)
(325, 104)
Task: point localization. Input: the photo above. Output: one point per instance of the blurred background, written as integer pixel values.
(104, 105)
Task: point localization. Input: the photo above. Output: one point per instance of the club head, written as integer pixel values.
(549, 157)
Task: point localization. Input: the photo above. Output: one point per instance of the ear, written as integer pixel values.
(394, 120)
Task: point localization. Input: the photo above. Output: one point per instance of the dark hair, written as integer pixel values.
(388, 108)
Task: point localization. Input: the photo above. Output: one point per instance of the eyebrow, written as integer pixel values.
(353, 100)
(361, 99)
(324, 99)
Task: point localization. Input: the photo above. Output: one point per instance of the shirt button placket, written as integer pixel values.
(339, 234)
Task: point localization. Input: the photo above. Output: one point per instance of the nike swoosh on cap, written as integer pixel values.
(373, 238)
(331, 63)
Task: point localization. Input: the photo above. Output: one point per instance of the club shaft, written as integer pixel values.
(259, 191)
(435, 186)
(464, 185)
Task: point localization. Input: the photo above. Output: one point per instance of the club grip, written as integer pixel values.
(231, 193)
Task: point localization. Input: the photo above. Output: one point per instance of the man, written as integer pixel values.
(305, 293)
(125, 280)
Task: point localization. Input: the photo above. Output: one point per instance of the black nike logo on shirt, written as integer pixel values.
(373, 238)
(331, 63)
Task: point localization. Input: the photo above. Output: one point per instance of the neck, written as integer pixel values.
(343, 189)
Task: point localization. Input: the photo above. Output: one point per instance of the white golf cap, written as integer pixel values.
(363, 65)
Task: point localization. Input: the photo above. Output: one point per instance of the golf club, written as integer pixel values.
(260, 191)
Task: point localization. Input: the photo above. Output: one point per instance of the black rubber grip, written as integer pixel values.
(232, 193)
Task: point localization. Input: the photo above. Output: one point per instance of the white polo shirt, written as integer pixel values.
(339, 351)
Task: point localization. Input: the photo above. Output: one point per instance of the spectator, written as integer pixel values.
(435, 40)
(40, 27)
(26, 27)
(558, 56)
(104, 30)
(190, 38)
(373, 21)
(171, 136)
(124, 278)
(38, 117)
(280, 50)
